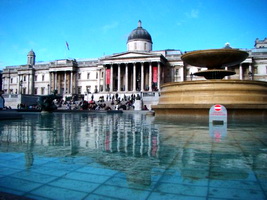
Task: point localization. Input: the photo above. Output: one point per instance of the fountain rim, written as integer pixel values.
(212, 52)
(212, 81)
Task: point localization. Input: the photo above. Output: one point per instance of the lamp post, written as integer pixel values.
(48, 92)
(20, 87)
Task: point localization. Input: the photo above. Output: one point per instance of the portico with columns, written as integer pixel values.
(133, 72)
(63, 77)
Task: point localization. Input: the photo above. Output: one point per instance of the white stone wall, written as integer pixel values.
(139, 46)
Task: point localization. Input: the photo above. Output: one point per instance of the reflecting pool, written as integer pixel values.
(132, 156)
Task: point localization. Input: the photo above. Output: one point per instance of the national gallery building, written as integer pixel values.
(139, 70)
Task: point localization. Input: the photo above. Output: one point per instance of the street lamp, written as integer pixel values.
(48, 88)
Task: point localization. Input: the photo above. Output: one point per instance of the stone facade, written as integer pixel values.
(139, 70)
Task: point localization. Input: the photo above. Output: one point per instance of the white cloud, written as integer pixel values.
(193, 13)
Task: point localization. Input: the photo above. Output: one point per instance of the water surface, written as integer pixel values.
(132, 156)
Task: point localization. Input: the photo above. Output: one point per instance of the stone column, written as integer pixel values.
(28, 84)
(182, 73)
(55, 80)
(50, 82)
(250, 69)
(31, 83)
(240, 72)
(18, 86)
(159, 76)
(98, 81)
(142, 77)
(65, 82)
(111, 78)
(150, 77)
(71, 82)
(134, 77)
(119, 77)
(104, 81)
(8, 83)
(126, 77)
(226, 77)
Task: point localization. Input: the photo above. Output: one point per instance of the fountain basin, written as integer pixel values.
(196, 97)
(215, 58)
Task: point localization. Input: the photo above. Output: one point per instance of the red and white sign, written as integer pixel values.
(217, 113)
(155, 75)
(217, 107)
(107, 76)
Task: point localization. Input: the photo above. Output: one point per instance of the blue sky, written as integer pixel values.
(101, 27)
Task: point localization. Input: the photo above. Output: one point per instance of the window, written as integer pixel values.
(35, 90)
(135, 46)
(79, 90)
(145, 46)
(24, 78)
(42, 90)
(177, 72)
(88, 76)
(96, 75)
(102, 74)
(11, 80)
(88, 89)
(79, 76)
(35, 78)
(43, 77)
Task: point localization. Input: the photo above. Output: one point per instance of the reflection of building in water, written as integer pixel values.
(130, 134)
(131, 138)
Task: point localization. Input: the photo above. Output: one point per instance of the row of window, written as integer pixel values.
(89, 74)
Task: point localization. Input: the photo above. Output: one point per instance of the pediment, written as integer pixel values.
(132, 55)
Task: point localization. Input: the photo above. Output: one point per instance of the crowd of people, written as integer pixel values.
(109, 103)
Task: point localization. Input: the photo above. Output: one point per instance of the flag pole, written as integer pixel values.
(67, 49)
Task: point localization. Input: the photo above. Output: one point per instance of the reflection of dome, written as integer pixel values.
(31, 53)
(140, 34)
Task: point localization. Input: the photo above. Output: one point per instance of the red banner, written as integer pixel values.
(155, 75)
(107, 76)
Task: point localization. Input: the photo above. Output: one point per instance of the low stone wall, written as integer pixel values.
(12, 100)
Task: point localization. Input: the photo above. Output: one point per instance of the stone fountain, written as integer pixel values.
(240, 97)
